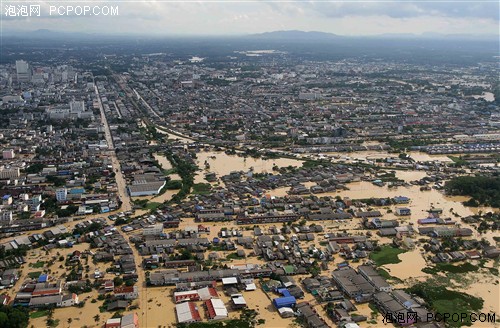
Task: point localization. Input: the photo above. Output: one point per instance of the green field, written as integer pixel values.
(386, 255)
(34, 274)
(37, 265)
(152, 205)
(39, 314)
(443, 300)
(446, 267)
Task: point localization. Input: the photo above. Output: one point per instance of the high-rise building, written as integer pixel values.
(23, 71)
(61, 194)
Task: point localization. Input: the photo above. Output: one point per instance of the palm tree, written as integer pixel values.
(97, 318)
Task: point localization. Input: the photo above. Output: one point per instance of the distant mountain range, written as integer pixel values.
(288, 35)
(314, 35)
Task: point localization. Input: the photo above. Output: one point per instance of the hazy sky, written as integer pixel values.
(212, 17)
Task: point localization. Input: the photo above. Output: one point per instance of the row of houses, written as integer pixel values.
(173, 277)
(44, 294)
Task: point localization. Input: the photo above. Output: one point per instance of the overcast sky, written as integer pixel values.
(225, 17)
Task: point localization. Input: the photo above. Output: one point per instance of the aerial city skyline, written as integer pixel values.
(250, 164)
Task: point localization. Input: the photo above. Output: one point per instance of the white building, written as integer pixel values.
(216, 309)
(61, 194)
(68, 300)
(23, 71)
(76, 110)
(187, 312)
(153, 230)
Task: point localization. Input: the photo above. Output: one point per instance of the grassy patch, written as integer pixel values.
(52, 323)
(37, 265)
(314, 163)
(39, 314)
(494, 271)
(34, 274)
(173, 184)
(152, 205)
(446, 267)
(386, 255)
(458, 160)
(232, 256)
(202, 188)
(443, 300)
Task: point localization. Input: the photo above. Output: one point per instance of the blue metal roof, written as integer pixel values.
(284, 302)
(284, 292)
(42, 278)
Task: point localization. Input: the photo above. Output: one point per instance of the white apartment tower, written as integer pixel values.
(61, 194)
(23, 71)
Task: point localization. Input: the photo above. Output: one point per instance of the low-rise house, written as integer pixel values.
(54, 300)
(238, 301)
(491, 252)
(368, 214)
(403, 211)
(130, 320)
(126, 292)
(311, 317)
(389, 305)
(9, 277)
(47, 289)
(117, 305)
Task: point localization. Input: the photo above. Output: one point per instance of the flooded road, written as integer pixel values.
(178, 138)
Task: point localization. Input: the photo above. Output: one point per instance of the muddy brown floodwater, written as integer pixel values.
(223, 164)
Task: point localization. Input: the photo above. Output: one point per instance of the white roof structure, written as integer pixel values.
(186, 312)
(238, 299)
(205, 293)
(219, 309)
(229, 281)
(351, 325)
(250, 287)
(285, 309)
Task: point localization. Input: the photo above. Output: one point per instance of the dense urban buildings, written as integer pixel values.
(252, 182)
